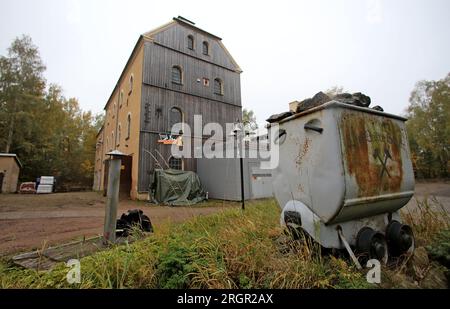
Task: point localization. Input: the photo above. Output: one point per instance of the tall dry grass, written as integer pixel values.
(427, 219)
(231, 249)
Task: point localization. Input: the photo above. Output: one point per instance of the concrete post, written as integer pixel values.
(112, 202)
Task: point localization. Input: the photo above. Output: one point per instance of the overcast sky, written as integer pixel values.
(288, 50)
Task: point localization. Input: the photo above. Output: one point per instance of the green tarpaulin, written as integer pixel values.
(176, 188)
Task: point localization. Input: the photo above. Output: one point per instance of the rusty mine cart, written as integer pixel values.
(344, 173)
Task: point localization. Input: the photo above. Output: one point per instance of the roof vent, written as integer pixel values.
(185, 20)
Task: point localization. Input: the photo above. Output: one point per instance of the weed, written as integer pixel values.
(427, 220)
(230, 249)
(439, 249)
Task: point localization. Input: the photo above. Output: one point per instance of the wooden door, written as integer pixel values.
(1, 181)
(125, 177)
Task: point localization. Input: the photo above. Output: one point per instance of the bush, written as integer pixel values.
(439, 250)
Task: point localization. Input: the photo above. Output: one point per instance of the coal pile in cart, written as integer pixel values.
(356, 99)
(344, 173)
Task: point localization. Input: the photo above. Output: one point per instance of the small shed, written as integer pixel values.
(9, 172)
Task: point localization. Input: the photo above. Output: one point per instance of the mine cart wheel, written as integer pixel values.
(371, 244)
(400, 238)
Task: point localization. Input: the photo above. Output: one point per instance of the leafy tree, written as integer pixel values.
(249, 120)
(429, 128)
(50, 133)
(21, 88)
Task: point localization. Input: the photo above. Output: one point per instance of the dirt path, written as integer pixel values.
(32, 221)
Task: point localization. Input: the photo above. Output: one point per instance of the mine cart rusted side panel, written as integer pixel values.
(378, 170)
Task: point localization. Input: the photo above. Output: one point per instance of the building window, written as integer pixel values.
(205, 82)
(175, 163)
(177, 77)
(118, 134)
(218, 86)
(121, 98)
(113, 141)
(128, 125)
(190, 42)
(205, 48)
(175, 116)
(114, 110)
(131, 83)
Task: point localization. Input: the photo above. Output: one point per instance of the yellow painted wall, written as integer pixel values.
(117, 111)
(10, 169)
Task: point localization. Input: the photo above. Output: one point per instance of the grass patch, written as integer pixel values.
(231, 249)
(427, 220)
(428, 267)
(439, 249)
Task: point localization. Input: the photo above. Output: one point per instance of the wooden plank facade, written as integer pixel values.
(162, 101)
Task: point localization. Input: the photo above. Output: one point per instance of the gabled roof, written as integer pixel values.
(100, 131)
(124, 69)
(238, 68)
(190, 24)
(157, 30)
(150, 34)
(183, 21)
(12, 155)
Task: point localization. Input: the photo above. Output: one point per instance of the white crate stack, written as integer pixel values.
(46, 184)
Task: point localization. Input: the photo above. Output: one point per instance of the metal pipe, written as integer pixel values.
(109, 233)
(348, 248)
